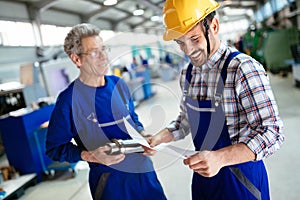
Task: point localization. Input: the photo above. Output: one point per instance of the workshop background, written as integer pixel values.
(31, 58)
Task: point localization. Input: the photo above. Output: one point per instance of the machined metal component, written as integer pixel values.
(124, 146)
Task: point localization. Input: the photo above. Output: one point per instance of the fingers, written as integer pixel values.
(149, 138)
(105, 148)
(148, 151)
(203, 163)
(191, 160)
(145, 135)
(154, 140)
(113, 159)
(116, 159)
(100, 156)
(203, 172)
(196, 162)
(197, 165)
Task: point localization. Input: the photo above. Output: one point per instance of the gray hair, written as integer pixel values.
(73, 39)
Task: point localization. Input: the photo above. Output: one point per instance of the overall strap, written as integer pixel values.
(188, 77)
(223, 76)
(220, 87)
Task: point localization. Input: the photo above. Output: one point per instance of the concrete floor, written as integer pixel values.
(158, 111)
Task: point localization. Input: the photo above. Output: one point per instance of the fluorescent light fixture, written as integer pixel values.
(155, 18)
(110, 2)
(138, 12)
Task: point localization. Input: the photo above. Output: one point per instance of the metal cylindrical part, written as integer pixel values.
(125, 147)
(130, 146)
(114, 149)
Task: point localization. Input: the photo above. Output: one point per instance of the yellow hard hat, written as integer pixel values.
(181, 15)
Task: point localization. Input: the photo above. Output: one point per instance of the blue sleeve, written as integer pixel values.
(60, 133)
(138, 125)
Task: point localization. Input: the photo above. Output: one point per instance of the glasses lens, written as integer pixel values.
(96, 53)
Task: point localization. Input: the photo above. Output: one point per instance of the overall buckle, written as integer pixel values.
(218, 98)
(184, 95)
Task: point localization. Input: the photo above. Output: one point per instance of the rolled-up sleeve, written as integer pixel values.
(180, 127)
(260, 126)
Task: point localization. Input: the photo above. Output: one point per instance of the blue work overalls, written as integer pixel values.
(98, 123)
(209, 130)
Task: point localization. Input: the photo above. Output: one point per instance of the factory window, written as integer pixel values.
(271, 7)
(53, 35)
(10, 34)
(232, 30)
(280, 4)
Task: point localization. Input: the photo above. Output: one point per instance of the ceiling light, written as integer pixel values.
(110, 2)
(155, 18)
(138, 11)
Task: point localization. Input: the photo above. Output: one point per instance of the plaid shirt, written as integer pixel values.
(248, 102)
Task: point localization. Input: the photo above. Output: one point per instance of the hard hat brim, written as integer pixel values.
(176, 32)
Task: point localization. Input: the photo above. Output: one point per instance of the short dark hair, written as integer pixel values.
(210, 16)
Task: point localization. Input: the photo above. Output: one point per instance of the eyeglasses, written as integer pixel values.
(97, 53)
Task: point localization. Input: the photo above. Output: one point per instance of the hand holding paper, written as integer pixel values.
(165, 148)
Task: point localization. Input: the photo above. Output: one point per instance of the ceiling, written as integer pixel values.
(121, 13)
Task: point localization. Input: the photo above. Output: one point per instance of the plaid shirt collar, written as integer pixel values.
(215, 58)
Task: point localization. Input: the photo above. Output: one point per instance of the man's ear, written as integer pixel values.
(215, 26)
(76, 59)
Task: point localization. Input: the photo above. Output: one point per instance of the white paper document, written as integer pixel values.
(164, 148)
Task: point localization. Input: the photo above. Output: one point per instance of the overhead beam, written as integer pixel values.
(44, 5)
(151, 5)
(96, 12)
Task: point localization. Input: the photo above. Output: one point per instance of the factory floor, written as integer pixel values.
(159, 110)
